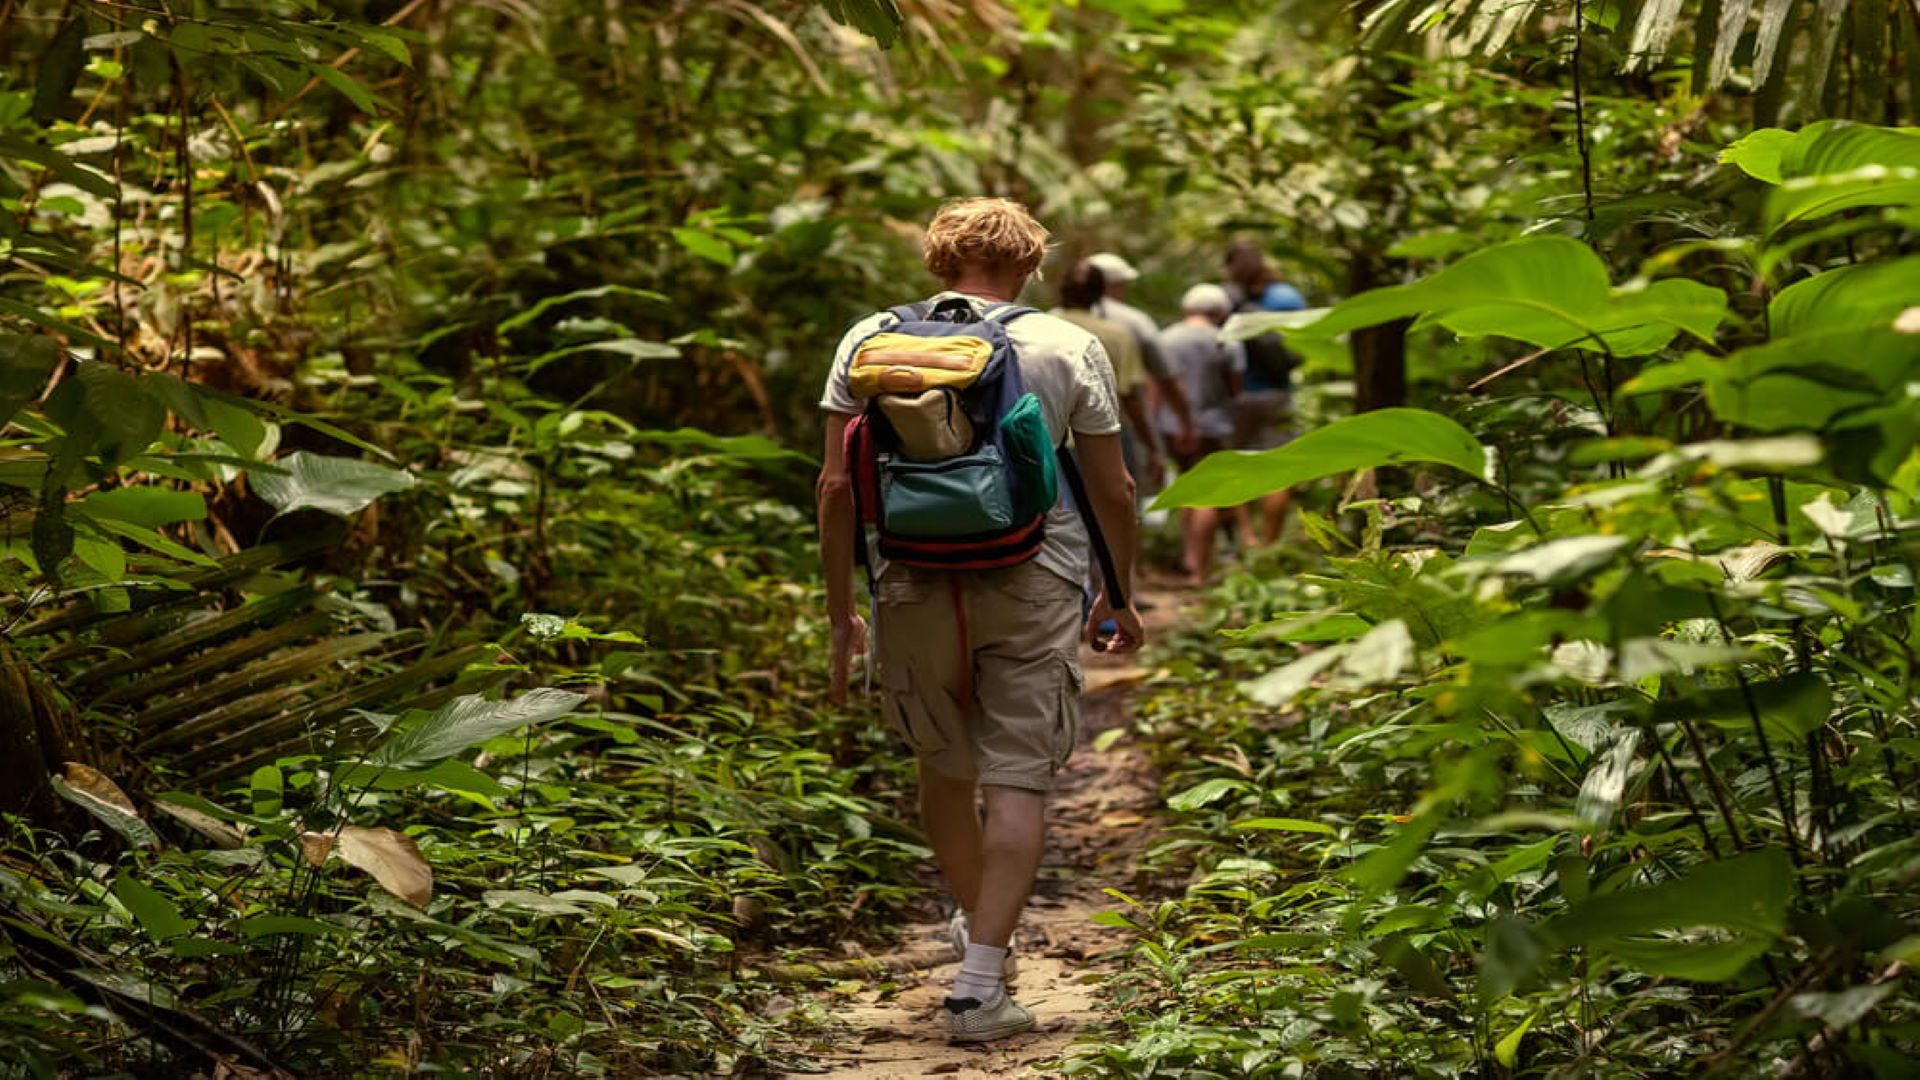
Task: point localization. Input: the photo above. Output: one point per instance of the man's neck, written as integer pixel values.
(985, 289)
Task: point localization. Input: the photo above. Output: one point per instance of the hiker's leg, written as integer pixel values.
(918, 650)
(1028, 621)
(1200, 523)
(1276, 506)
(950, 816)
(1015, 837)
(1246, 530)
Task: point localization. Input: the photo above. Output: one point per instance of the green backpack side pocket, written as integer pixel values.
(1030, 453)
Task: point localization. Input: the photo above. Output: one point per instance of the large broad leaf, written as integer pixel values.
(1790, 708)
(1366, 441)
(149, 507)
(1747, 894)
(392, 858)
(103, 411)
(1758, 153)
(1706, 958)
(1865, 296)
(89, 789)
(26, 362)
(156, 914)
(469, 721)
(60, 66)
(337, 485)
(1548, 291)
(1831, 166)
(1808, 381)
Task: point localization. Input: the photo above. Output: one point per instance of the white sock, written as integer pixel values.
(981, 974)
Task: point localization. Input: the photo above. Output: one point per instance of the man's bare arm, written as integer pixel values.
(833, 502)
(1110, 490)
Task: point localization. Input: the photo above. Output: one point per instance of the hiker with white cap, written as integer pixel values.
(1117, 273)
(1210, 374)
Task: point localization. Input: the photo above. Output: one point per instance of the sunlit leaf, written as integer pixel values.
(1366, 441)
(468, 721)
(336, 485)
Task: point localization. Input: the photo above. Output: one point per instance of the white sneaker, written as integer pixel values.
(958, 934)
(968, 1021)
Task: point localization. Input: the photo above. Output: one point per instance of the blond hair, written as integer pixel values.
(982, 231)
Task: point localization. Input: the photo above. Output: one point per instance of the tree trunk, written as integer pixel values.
(32, 743)
(1379, 352)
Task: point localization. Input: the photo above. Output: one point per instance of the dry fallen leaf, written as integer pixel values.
(89, 789)
(316, 847)
(221, 833)
(93, 783)
(392, 858)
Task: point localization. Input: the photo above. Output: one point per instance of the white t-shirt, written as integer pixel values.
(1061, 364)
(1127, 315)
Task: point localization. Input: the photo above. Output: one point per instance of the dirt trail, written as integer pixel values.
(1100, 822)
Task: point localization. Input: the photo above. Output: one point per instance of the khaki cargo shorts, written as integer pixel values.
(999, 705)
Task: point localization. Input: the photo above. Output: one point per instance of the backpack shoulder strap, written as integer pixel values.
(1103, 555)
(911, 312)
(1007, 313)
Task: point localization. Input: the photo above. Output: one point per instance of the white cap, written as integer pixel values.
(1114, 270)
(1206, 299)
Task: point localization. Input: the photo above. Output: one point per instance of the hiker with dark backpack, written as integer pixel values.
(978, 441)
(1263, 412)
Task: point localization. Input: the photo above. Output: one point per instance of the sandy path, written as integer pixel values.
(1100, 823)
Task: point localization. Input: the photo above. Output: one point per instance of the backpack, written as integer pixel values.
(952, 463)
(1270, 362)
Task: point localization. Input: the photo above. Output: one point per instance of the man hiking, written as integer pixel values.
(978, 664)
(1264, 408)
(1116, 274)
(1081, 290)
(1211, 374)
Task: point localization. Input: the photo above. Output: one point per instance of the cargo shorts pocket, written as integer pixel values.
(917, 720)
(1066, 729)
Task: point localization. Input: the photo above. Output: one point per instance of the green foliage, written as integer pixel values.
(1630, 734)
(1595, 758)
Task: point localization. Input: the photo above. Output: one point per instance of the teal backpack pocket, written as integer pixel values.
(1030, 453)
(966, 495)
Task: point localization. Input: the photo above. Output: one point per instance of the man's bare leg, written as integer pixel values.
(1015, 837)
(950, 816)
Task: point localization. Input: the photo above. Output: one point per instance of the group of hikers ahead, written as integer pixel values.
(977, 470)
(1186, 391)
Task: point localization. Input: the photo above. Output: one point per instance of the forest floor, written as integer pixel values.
(1101, 820)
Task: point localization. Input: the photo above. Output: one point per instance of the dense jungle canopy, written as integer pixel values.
(411, 635)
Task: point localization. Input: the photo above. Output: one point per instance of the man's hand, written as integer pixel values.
(1129, 636)
(849, 641)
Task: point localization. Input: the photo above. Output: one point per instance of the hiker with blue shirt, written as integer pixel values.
(978, 443)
